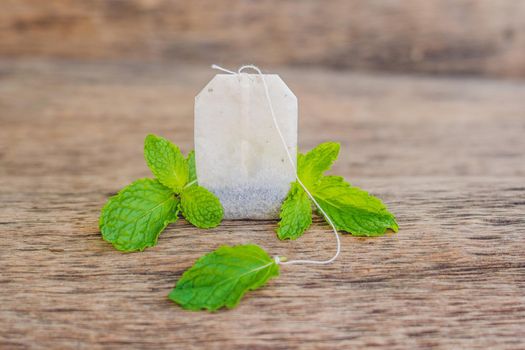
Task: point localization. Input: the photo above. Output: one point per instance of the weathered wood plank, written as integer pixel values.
(436, 36)
(447, 156)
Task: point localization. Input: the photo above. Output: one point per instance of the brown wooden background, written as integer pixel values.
(432, 36)
(83, 82)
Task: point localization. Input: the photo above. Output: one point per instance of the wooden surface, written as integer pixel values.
(438, 36)
(446, 155)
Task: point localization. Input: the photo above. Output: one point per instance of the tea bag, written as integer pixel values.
(239, 154)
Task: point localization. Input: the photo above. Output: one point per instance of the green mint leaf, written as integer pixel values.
(201, 207)
(296, 213)
(222, 277)
(166, 162)
(312, 165)
(133, 219)
(352, 209)
(191, 167)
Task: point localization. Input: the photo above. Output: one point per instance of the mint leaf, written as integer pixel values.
(192, 170)
(296, 214)
(352, 209)
(166, 162)
(222, 277)
(133, 219)
(312, 165)
(201, 207)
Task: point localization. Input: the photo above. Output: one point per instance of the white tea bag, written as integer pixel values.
(239, 154)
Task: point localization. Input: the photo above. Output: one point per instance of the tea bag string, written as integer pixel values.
(278, 259)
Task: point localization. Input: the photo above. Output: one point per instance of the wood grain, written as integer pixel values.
(480, 37)
(446, 155)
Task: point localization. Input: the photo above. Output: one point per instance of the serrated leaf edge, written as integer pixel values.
(229, 306)
(165, 223)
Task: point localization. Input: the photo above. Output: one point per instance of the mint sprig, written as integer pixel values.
(351, 209)
(134, 218)
(223, 276)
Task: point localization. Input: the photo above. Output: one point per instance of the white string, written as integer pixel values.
(190, 183)
(279, 260)
(214, 66)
